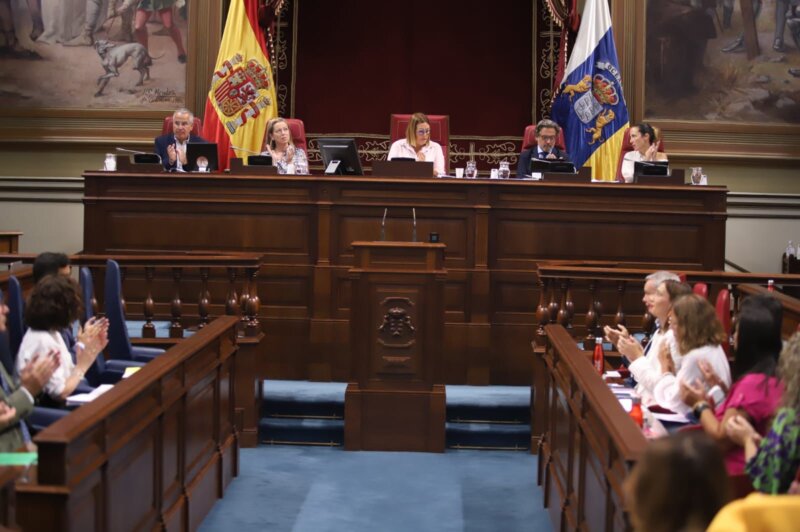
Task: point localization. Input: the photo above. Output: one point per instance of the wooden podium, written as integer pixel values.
(396, 398)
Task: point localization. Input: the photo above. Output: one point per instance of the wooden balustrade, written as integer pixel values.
(154, 452)
(593, 288)
(145, 268)
(587, 443)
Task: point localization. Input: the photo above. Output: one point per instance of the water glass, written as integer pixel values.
(697, 175)
(110, 163)
(472, 170)
(459, 172)
(493, 174)
(505, 171)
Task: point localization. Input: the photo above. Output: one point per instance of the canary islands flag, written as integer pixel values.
(590, 105)
(241, 99)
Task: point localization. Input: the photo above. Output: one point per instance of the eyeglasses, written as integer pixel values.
(423, 132)
(547, 137)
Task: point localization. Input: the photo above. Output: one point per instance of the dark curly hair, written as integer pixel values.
(54, 303)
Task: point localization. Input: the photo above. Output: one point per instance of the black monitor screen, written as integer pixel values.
(340, 156)
(555, 166)
(201, 156)
(659, 168)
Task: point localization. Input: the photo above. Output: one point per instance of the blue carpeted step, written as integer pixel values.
(303, 399)
(490, 436)
(289, 431)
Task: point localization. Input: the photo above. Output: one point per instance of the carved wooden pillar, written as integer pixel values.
(231, 300)
(553, 314)
(175, 327)
(253, 327)
(591, 317)
(563, 317)
(203, 299)
(543, 310)
(619, 317)
(148, 329)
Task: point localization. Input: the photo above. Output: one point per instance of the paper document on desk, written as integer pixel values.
(130, 371)
(83, 398)
(671, 418)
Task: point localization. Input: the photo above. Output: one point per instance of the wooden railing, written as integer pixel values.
(156, 451)
(159, 284)
(589, 443)
(584, 298)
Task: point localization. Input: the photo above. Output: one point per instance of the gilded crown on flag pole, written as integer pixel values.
(241, 97)
(590, 105)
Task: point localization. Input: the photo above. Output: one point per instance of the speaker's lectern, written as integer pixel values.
(396, 399)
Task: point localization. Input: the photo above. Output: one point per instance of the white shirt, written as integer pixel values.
(666, 391)
(647, 369)
(180, 147)
(41, 342)
(432, 152)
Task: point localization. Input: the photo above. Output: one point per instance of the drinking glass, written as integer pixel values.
(472, 170)
(505, 171)
(459, 172)
(110, 163)
(697, 175)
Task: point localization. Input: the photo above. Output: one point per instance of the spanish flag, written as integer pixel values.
(241, 99)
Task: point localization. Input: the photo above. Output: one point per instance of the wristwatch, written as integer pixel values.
(699, 407)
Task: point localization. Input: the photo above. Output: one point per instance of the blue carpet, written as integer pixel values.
(311, 489)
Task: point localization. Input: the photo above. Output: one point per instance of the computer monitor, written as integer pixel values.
(656, 168)
(340, 156)
(201, 155)
(551, 166)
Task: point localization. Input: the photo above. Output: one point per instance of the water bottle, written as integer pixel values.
(110, 163)
(598, 358)
(636, 411)
(790, 252)
(771, 285)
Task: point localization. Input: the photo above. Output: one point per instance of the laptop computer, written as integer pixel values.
(201, 157)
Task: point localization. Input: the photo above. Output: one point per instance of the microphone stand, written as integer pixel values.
(383, 225)
(414, 226)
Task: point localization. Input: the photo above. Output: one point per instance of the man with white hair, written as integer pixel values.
(172, 146)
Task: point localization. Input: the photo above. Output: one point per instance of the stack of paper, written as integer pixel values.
(83, 398)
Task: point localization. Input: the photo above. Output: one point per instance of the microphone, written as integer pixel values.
(246, 150)
(414, 226)
(383, 225)
(148, 157)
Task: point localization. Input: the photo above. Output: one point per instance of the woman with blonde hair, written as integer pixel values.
(278, 144)
(418, 144)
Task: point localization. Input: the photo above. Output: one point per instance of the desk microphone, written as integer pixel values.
(414, 226)
(246, 150)
(383, 225)
(149, 157)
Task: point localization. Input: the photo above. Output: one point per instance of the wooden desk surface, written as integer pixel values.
(496, 231)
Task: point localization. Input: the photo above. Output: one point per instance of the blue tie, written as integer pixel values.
(26, 434)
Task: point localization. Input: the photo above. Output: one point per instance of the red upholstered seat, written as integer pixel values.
(440, 132)
(529, 139)
(298, 130)
(627, 146)
(701, 289)
(723, 307)
(197, 126)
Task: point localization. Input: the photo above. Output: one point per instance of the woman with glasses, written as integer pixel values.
(418, 144)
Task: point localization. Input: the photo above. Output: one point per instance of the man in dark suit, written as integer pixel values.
(16, 398)
(172, 146)
(547, 133)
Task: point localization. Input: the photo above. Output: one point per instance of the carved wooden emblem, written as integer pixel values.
(396, 327)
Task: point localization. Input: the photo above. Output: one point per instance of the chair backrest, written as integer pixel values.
(16, 315)
(298, 131)
(87, 293)
(197, 126)
(627, 146)
(440, 132)
(701, 289)
(119, 343)
(723, 308)
(529, 138)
